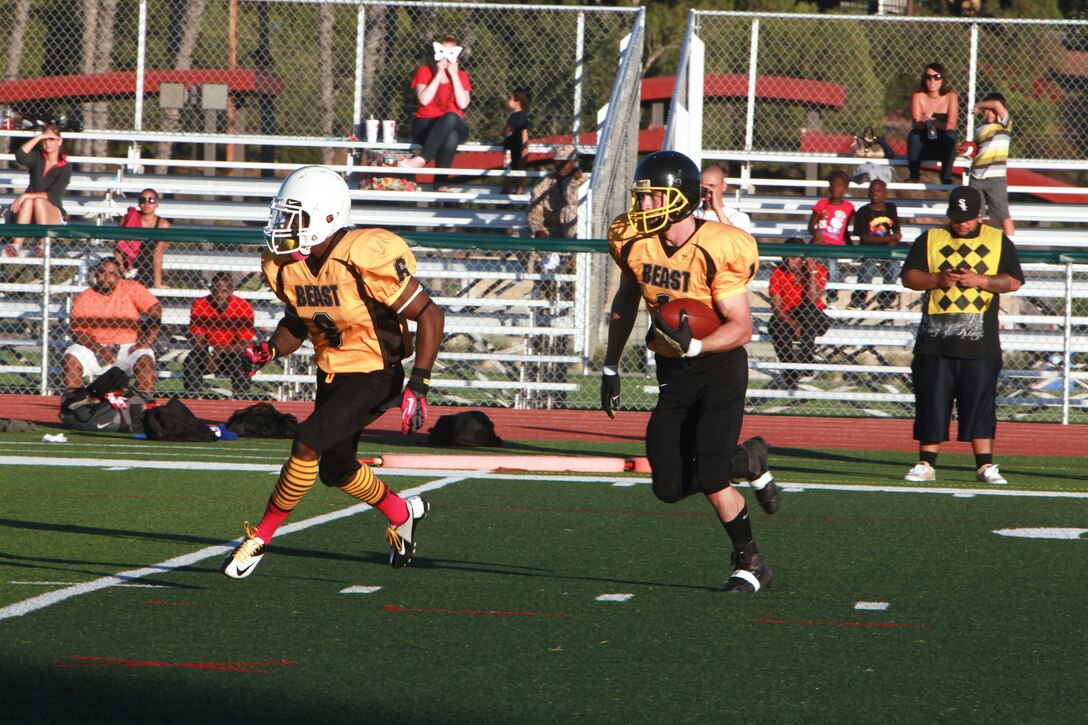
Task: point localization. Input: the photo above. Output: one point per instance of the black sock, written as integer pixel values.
(983, 459)
(929, 457)
(739, 529)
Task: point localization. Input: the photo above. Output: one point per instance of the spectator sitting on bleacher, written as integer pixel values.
(796, 289)
(50, 174)
(114, 322)
(220, 328)
(877, 223)
(713, 208)
(444, 92)
(143, 260)
(830, 222)
(935, 110)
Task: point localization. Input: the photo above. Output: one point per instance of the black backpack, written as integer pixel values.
(261, 420)
(107, 405)
(175, 422)
(470, 428)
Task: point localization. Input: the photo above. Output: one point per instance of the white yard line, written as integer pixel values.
(126, 577)
(621, 481)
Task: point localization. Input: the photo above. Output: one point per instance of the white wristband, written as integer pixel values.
(610, 370)
(694, 348)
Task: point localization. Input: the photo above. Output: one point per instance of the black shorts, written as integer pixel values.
(694, 428)
(345, 405)
(971, 384)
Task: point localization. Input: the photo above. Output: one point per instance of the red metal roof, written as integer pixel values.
(797, 90)
(96, 85)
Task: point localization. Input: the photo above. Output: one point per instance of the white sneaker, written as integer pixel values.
(241, 562)
(402, 539)
(922, 471)
(990, 474)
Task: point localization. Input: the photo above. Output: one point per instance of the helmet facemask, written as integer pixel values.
(288, 228)
(649, 221)
(311, 205)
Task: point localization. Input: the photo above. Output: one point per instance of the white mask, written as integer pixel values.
(450, 53)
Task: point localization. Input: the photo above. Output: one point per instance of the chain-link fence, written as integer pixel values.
(787, 83)
(516, 321)
(298, 68)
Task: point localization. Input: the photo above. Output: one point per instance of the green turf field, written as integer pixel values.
(112, 609)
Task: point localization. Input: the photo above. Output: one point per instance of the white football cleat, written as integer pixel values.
(242, 561)
(402, 538)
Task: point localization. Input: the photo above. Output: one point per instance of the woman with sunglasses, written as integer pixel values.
(935, 111)
(50, 174)
(144, 261)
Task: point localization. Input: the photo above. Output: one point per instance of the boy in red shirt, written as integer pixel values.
(220, 327)
(796, 289)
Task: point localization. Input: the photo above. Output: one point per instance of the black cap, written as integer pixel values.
(964, 204)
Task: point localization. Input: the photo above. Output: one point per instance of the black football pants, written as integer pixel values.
(693, 431)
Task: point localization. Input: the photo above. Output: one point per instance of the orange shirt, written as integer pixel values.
(112, 319)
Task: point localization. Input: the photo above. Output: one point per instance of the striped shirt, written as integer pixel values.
(993, 149)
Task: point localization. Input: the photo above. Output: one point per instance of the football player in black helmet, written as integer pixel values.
(675, 180)
(691, 440)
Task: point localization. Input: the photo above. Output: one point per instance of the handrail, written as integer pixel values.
(458, 240)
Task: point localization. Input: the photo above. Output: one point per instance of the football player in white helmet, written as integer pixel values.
(312, 203)
(351, 292)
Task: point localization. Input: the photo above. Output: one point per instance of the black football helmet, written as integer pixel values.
(674, 175)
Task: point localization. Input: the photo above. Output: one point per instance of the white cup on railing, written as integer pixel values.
(389, 131)
(372, 130)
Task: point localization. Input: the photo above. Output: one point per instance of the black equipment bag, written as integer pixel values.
(262, 420)
(470, 428)
(107, 405)
(175, 422)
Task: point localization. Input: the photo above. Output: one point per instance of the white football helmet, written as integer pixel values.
(310, 206)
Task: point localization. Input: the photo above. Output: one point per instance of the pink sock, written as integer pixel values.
(394, 507)
(273, 517)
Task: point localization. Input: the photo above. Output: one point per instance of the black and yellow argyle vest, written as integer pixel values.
(981, 254)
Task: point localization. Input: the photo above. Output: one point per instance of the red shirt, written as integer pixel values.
(834, 220)
(222, 328)
(443, 101)
(792, 290)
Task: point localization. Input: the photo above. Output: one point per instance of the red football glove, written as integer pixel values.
(256, 356)
(413, 402)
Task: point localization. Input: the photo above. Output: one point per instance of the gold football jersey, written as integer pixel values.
(346, 305)
(717, 263)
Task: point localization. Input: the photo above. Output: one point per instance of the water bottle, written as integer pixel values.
(7, 120)
(507, 160)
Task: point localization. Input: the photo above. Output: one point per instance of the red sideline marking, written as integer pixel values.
(553, 510)
(477, 612)
(179, 604)
(841, 624)
(248, 667)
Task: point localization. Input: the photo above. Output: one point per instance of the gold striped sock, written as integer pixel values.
(295, 480)
(365, 486)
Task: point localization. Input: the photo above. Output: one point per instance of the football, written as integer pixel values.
(701, 319)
